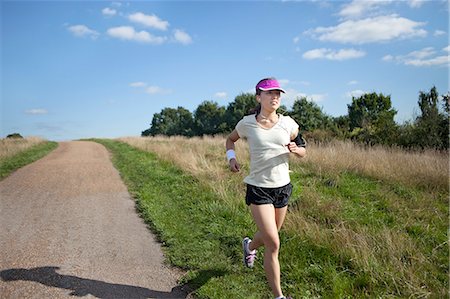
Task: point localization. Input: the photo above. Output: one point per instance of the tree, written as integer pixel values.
(309, 115)
(407, 135)
(445, 124)
(342, 126)
(171, 122)
(241, 106)
(209, 119)
(446, 103)
(432, 125)
(371, 119)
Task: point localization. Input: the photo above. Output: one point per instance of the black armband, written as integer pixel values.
(300, 141)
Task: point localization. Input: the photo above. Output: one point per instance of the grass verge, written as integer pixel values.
(346, 235)
(27, 156)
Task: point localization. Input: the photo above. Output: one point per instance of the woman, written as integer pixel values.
(271, 137)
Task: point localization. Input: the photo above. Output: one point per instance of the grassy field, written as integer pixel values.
(15, 153)
(363, 222)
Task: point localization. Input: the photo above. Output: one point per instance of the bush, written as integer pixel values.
(15, 136)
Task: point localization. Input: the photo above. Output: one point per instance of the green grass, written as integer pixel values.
(8, 165)
(396, 245)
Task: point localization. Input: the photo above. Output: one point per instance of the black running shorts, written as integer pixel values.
(279, 197)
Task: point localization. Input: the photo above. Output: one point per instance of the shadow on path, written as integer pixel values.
(81, 287)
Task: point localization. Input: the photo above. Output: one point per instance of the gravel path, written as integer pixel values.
(68, 227)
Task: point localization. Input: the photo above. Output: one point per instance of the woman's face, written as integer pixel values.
(270, 100)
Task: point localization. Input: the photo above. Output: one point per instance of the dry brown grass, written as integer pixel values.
(12, 146)
(202, 157)
(428, 168)
(205, 157)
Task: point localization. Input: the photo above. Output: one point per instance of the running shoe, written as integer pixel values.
(249, 256)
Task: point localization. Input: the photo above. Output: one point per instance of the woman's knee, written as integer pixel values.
(272, 243)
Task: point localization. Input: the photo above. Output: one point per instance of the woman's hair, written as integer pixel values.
(257, 109)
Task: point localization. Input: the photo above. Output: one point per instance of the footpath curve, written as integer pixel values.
(68, 227)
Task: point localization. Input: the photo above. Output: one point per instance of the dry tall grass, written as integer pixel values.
(205, 157)
(428, 168)
(12, 146)
(202, 157)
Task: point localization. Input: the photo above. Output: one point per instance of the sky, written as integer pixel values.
(81, 69)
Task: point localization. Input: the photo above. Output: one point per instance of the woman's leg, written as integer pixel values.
(280, 215)
(269, 220)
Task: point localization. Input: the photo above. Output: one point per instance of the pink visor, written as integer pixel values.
(269, 84)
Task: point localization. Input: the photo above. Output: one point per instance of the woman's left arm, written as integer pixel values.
(295, 146)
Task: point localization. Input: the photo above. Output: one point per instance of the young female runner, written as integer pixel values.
(271, 138)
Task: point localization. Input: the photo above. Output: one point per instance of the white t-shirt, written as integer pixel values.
(269, 155)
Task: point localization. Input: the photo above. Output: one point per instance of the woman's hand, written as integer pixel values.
(299, 150)
(234, 165)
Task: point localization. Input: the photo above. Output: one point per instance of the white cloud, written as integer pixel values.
(317, 97)
(305, 83)
(320, 3)
(435, 61)
(446, 49)
(109, 12)
(388, 58)
(283, 82)
(415, 3)
(156, 90)
(439, 33)
(36, 111)
(138, 84)
(359, 8)
(152, 89)
(421, 54)
(289, 97)
(83, 31)
(128, 33)
(152, 21)
(370, 30)
(182, 37)
(220, 94)
(355, 93)
(362, 8)
(296, 40)
(426, 57)
(353, 82)
(292, 95)
(342, 54)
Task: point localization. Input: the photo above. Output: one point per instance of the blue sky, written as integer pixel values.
(102, 69)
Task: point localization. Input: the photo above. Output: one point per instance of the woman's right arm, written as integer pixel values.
(232, 138)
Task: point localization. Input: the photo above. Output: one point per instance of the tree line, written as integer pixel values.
(370, 120)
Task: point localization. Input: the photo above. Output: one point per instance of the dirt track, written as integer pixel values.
(69, 228)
